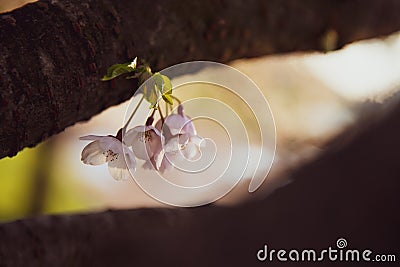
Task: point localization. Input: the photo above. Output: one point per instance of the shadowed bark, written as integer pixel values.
(53, 53)
(349, 192)
(52, 56)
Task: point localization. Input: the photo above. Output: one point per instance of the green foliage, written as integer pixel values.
(167, 98)
(151, 95)
(162, 84)
(117, 70)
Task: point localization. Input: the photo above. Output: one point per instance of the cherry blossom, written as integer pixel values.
(146, 142)
(178, 124)
(179, 148)
(109, 149)
(182, 142)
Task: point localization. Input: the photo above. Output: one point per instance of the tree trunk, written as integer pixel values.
(52, 56)
(53, 53)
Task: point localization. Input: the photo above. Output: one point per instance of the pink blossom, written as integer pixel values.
(109, 149)
(182, 142)
(146, 142)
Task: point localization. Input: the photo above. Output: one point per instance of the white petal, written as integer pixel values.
(132, 134)
(172, 145)
(133, 63)
(165, 165)
(145, 141)
(112, 143)
(142, 150)
(158, 157)
(189, 126)
(166, 132)
(191, 151)
(92, 154)
(119, 173)
(197, 140)
(175, 123)
(118, 168)
(130, 160)
(179, 124)
(155, 142)
(105, 142)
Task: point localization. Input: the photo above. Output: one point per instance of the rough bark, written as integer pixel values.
(54, 52)
(349, 192)
(52, 55)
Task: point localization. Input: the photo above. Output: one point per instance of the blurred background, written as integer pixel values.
(313, 97)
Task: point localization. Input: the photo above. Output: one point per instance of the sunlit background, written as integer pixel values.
(313, 97)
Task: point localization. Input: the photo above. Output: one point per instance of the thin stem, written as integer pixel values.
(177, 99)
(161, 115)
(133, 113)
(152, 114)
(166, 109)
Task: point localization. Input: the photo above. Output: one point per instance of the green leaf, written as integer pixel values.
(162, 83)
(167, 98)
(151, 95)
(119, 69)
(162, 87)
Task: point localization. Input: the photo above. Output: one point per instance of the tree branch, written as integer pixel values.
(350, 192)
(54, 52)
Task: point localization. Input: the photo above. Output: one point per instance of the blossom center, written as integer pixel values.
(145, 137)
(110, 155)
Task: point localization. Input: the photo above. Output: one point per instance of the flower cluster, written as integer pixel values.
(171, 140)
